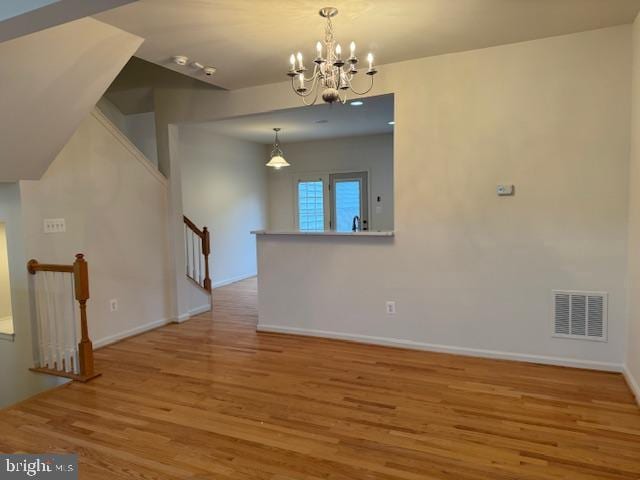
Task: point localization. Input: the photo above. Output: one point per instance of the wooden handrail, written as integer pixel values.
(193, 227)
(33, 266)
(205, 242)
(80, 271)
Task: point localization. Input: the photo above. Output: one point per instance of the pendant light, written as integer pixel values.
(277, 160)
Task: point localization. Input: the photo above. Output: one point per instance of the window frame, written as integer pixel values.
(313, 177)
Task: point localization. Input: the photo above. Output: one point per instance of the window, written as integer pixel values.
(332, 202)
(311, 206)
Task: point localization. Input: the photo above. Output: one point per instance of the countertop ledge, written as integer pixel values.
(326, 233)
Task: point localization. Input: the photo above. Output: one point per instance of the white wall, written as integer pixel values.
(5, 284)
(372, 153)
(139, 128)
(633, 339)
(224, 187)
(471, 271)
(115, 206)
(79, 59)
(16, 381)
(113, 113)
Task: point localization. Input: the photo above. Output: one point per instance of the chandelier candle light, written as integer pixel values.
(331, 73)
(277, 160)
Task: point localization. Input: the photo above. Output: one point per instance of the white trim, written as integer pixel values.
(472, 352)
(128, 144)
(633, 384)
(229, 281)
(130, 333)
(199, 310)
(183, 317)
(4, 335)
(9, 337)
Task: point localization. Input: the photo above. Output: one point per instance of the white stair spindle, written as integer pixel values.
(41, 320)
(186, 248)
(51, 319)
(193, 255)
(59, 309)
(200, 277)
(70, 343)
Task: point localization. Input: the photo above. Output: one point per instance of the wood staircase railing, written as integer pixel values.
(197, 251)
(54, 293)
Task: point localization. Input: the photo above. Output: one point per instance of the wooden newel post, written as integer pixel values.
(206, 250)
(85, 348)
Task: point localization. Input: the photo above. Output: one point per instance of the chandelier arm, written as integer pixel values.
(300, 94)
(364, 92)
(304, 100)
(312, 77)
(312, 89)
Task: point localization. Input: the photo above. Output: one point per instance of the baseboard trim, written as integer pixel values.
(470, 352)
(199, 310)
(634, 386)
(103, 342)
(229, 281)
(182, 318)
(9, 337)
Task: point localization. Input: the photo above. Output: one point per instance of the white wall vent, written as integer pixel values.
(579, 315)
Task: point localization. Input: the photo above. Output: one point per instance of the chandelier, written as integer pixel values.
(277, 160)
(332, 75)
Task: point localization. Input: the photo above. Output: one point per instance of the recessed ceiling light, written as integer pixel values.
(180, 60)
(357, 103)
(391, 123)
(208, 71)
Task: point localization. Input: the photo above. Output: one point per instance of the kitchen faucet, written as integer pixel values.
(356, 224)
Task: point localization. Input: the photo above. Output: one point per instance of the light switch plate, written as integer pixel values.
(54, 225)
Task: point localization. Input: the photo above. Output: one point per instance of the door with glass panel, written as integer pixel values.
(349, 202)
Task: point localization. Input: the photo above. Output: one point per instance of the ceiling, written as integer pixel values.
(12, 8)
(301, 124)
(250, 41)
(22, 17)
(132, 90)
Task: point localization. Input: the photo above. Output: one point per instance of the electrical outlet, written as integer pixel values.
(505, 190)
(113, 305)
(54, 225)
(391, 308)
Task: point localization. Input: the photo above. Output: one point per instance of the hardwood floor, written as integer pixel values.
(212, 399)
